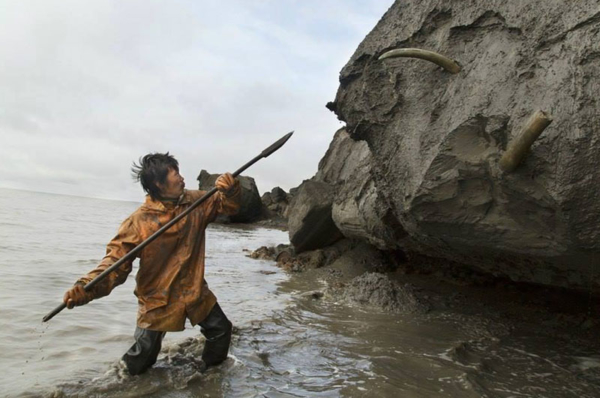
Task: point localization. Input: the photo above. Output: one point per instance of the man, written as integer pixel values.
(170, 284)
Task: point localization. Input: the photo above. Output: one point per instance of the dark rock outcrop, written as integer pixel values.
(435, 139)
(251, 208)
(358, 212)
(278, 195)
(276, 203)
(310, 224)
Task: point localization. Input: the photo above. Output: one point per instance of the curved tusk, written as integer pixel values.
(520, 146)
(438, 59)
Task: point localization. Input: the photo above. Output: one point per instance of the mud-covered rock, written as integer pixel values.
(379, 291)
(342, 159)
(286, 257)
(276, 203)
(266, 199)
(251, 206)
(270, 252)
(263, 253)
(278, 195)
(359, 210)
(436, 137)
(310, 224)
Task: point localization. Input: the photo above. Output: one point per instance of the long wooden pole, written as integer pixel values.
(131, 255)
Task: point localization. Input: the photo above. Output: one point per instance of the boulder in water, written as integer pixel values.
(276, 203)
(310, 223)
(251, 207)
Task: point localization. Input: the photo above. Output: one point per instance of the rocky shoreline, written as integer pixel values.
(269, 210)
(361, 276)
(413, 187)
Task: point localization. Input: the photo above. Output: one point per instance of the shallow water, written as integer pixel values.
(48, 241)
(284, 345)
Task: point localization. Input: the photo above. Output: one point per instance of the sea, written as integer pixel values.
(284, 344)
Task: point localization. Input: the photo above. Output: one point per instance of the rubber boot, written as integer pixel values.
(217, 330)
(143, 353)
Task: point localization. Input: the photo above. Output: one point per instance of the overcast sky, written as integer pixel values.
(87, 87)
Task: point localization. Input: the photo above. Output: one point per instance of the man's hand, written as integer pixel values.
(225, 183)
(76, 296)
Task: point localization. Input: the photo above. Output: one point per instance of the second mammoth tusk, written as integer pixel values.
(518, 148)
(438, 59)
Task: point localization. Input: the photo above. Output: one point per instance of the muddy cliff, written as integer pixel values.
(417, 168)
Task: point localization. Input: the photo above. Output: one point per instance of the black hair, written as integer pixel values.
(153, 168)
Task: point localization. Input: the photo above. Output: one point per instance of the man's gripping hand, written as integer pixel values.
(76, 296)
(225, 183)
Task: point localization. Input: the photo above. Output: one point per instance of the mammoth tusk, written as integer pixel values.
(520, 145)
(438, 59)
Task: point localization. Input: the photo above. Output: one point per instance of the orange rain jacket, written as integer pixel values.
(170, 284)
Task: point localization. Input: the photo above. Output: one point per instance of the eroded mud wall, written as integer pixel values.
(436, 137)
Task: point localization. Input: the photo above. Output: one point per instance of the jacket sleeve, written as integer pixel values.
(225, 203)
(126, 239)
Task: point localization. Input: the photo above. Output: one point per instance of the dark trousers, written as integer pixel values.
(216, 328)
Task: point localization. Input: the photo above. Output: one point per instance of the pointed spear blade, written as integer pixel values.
(278, 144)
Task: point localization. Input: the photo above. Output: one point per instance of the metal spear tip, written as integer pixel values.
(278, 144)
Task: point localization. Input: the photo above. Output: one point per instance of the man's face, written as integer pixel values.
(173, 186)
